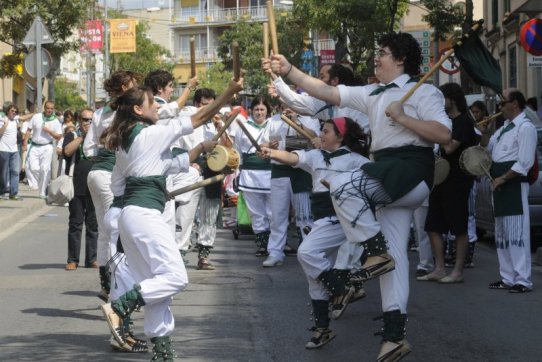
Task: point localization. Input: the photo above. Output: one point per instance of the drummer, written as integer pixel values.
(255, 175)
(211, 196)
(448, 202)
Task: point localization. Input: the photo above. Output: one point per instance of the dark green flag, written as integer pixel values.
(479, 64)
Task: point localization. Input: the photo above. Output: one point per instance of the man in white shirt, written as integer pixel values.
(512, 148)
(45, 128)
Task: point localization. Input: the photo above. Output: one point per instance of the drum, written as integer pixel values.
(223, 159)
(442, 169)
(475, 161)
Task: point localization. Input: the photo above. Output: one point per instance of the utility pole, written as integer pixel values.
(106, 45)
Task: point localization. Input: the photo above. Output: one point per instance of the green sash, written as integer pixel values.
(127, 142)
(176, 151)
(118, 201)
(507, 198)
(252, 162)
(400, 169)
(105, 160)
(321, 205)
(300, 180)
(148, 191)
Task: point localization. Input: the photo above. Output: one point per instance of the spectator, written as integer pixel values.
(10, 162)
(81, 206)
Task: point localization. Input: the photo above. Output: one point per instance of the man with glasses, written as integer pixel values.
(512, 148)
(401, 177)
(45, 128)
(81, 207)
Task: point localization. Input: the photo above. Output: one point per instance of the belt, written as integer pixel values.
(41, 144)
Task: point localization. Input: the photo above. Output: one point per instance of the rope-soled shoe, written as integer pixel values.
(114, 322)
(339, 303)
(378, 269)
(320, 337)
(393, 351)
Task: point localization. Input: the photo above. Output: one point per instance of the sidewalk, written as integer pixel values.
(13, 211)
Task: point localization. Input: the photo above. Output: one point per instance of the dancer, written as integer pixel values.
(340, 152)
(401, 176)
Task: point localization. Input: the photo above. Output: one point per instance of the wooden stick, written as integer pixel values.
(265, 40)
(295, 126)
(192, 57)
(488, 119)
(235, 59)
(249, 136)
(272, 27)
(197, 185)
(229, 121)
(438, 64)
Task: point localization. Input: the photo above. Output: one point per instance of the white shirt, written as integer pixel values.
(307, 105)
(149, 154)
(517, 144)
(203, 133)
(279, 130)
(426, 104)
(100, 121)
(313, 162)
(39, 136)
(8, 141)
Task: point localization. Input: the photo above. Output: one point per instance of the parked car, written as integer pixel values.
(485, 220)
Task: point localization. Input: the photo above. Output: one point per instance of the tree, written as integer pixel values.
(290, 34)
(341, 19)
(443, 16)
(216, 78)
(67, 96)
(148, 55)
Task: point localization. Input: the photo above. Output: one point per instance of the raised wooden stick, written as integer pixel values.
(235, 59)
(295, 126)
(438, 64)
(265, 40)
(192, 57)
(249, 136)
(197, 185)
(272, 27)
(229, 121)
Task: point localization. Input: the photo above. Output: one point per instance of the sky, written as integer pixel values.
(136, 4)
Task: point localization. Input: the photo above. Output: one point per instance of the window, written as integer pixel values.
(506, 6)
(494, 12)
(512, 67)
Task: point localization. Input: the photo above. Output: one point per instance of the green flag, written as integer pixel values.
(479, 64)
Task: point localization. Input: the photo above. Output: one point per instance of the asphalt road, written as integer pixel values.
(242, 312)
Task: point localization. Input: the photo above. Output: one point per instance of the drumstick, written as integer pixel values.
(272, 27)
(325, 183)
(249, 136)
(486, 171)
(235, 58)
(192, 57)
(197, 185)
(295, 126)
(265, 40)
(488, 119)
(229, 121)
(438, 64)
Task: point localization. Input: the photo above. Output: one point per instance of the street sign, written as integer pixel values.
(37, 31)
(534, 61)
(530, 36)
(30, 63)
(450, 65)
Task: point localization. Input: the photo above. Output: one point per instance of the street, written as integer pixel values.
(243, 312)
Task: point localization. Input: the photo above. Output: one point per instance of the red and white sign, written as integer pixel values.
(92, 37)
(450, 65)
(327, 56)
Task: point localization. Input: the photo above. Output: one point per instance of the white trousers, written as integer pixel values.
(281, 189)
(208, 214)
(394, 221)
(515, 257)
(348, 256)
(318, 251)
(99, 185)
(473, 237)
(188, 205)
(259, 207)
(156, 264)
(424, 245)
(39, 166)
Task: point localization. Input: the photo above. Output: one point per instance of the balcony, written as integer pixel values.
(203, 55)
(193, 16)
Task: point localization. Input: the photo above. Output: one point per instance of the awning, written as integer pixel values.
(530, 6)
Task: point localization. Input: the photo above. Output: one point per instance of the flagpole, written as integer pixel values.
(445, 56)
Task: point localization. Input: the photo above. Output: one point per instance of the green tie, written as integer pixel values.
(506, 129)
(382, 88)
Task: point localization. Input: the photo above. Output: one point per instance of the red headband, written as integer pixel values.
(340, 123)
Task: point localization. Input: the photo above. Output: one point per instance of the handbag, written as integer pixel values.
(60, 191)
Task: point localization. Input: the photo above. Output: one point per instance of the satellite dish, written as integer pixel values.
(30, 63)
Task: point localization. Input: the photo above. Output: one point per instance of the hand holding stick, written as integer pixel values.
(192, 57)
(229, 121)
(297, 128)
(249, 136)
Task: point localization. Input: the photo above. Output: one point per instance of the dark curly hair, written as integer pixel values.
(157, 79)
(113, 84)
(404, 47)
(454, 92)
(354, 137)
(344, 74)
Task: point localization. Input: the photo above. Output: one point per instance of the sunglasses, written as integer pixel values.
(86, 119)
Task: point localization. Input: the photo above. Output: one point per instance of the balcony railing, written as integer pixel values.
(191, 16)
